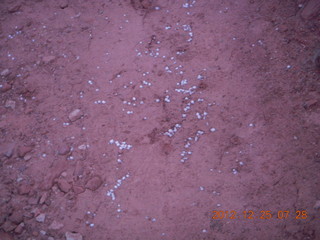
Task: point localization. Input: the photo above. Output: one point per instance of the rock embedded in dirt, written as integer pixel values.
(23, 150)
(94, 183)
(78, 189)
(63, 4)
(312, 9)
(10, 104)
(48, 59)
(73, 236)
(8, 226)
(5, 73)
(14, 8)
(5, 87)
(63, 149)
(44, 197)
(7, 149)
(5, 236)
(63, 185)
(16, 217)
(55, 225)
(19, 228)
(41, 218)
(75, 115)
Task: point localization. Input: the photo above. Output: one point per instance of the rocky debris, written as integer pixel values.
(7, 149)
(16, 217)
(8, 226)
(5, 236)
(24, 188)
(55, 225)
(5, 73)
(311, 9)
(63, 4)
(94, 183)
(78, 189)
(27, 157)
(73, 236)
(19, 228)
(10, 104)
(14, 8)
(41, 217)
(48, 59)
(43, 197)
(23, 150)
(5, 87)
(75, 115)
(63, 185)
(317, 205)
(63, 149)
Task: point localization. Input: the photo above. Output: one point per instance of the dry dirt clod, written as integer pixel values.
(94, 183)
(75, 115)
(73, 236)
(8, 226)
(14, 8)
(5, 87)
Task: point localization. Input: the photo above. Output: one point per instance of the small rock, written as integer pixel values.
(10, 104)
(78, 189)
(63, 185)
(27, 157)
(8, 226)
(44, 197)
(5, 73)
(63, 4)
(48, 59)
(75, 115)
(16, 217)
(7, 149)
(94, 183)
(5, 87)
(56, 225)
(19, 228)
(24, 188)
(5, 236)
(63, 149)
(317, 205)
(23, 150)
(73, 236)
(312, 9)
(41, 217)
(14, 8)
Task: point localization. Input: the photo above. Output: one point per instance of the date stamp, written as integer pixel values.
(283, 214)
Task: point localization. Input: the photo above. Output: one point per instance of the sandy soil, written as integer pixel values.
(151, 119)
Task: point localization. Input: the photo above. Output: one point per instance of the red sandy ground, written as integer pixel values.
(251, 68)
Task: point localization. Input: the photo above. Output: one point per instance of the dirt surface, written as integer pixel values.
(139, 119)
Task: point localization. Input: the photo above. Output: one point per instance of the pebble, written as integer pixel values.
(10, 104)
(7, 149)
(78, 189)
(63, 149)
(73, 236)
(94, 183)
(75, 115)
(5, 72)
(8, 226)
(23, 150)
(14, 8)
(63, 185)
(19, 228)
(56, 225)
(44, 197)
(48, 59)
(41, 217)
(5, 87)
